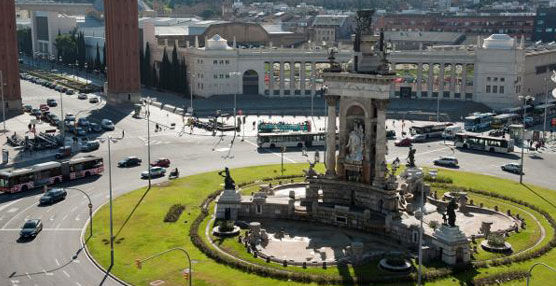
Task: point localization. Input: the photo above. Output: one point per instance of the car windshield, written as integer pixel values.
(29, 224)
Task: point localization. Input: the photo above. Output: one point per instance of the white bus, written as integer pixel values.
(430, 130)
(291, 139)
(502, 120)
(480, 142)
(478, 121)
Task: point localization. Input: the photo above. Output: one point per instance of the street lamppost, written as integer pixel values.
(139, 262)
(86, 73)
(90, 205)
(235, 75)
(149, 138)
(524, 100)
(535, 265)
(191, 84)
(110, 139)
(76, 71)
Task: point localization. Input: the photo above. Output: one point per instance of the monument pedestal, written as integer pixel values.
(228, 204)
(453, 245)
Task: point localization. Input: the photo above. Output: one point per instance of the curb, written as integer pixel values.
(91, 258)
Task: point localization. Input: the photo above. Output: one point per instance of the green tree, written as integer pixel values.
(164, 73)
(175, 69)
(24, 41)
(154, 80)
(66, 47)
(148, 69)
(97, 59)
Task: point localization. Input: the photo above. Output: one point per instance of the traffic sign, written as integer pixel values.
(90, 206)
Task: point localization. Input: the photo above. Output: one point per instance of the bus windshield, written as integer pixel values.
(4, 181)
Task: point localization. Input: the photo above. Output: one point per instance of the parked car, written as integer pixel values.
(44, 107)
(93, 99)
(82, 96)
(448, 161)
(153, 172)
(512, 168)
(162, 162)
(83, 121)
(63, 152)
(80, 131)
(31, 228)
(52, 196)
(418, 138)
(90, 146)
(390, 134)
(27, 108)
(70, 117)
(93, 127)
(51, 102)
(496, 133)
(107, 124)
(36, 112)
(63, 89)
(404, 142)
(70, 92)
(129, 161)
(529, 121)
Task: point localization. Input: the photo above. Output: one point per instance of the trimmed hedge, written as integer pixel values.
(496, 279)
(174, 213)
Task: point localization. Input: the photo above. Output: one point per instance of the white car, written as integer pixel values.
(446, 161)
(154, 172)
(107, 124)
(93, 99)
(512, 168)
(82, 96)
(70, 117)
(418, 138)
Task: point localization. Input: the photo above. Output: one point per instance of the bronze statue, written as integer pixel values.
(451, 212)
(363, 20)
(229, 183)
(411, 157)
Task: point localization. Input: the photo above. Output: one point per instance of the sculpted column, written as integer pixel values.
(313, 78)
(302, 78)
(419, 79)
(271, 79)
(380, 147)
(430, 80)
(331, 101)
(441, 81)
(292, 78)
(281, 78)
(463, 81)
(453, 81)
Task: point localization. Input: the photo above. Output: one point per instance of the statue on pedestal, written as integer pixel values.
(229, 183)
(451, 212)
(355, 144)
(411, 157)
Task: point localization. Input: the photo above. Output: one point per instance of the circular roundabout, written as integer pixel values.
(303, 251)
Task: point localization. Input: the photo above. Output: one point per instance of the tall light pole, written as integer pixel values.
(191, 84)
(3, 104)
(109, 139)
(139, 262)
(535, 265)
(523, 99)
(235, 75)
(149, 139)
(90, 205)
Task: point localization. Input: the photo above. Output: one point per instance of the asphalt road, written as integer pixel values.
(55, 258)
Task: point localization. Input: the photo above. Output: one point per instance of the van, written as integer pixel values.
(450, 132)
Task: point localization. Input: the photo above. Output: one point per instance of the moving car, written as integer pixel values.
(93, 127)
(162, 162)
(153, 172)
(404, 142)
(80, 131)
(70, 117)
(31, 228)
(512, 168)
(52, 196)
(63, 152)
(36, 112)
(107, 124)
(27, 107)
(130, 161)
(448, 161)
(93, 99)
(70, 92)
(51, 102)
(90, 146)
(82, 96)
(83, 121)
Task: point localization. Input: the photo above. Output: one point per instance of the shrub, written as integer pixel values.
(439, 179)
(174, 213)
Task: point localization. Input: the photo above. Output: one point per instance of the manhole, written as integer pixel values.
(157, 283)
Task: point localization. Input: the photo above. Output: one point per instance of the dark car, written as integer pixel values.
(52, 196)
(31, 228)
(90, 146)
(94, 127)
(51, 102)
(130, 161)
(390, 134)
(162, 162)
(405, 142)
(63, 152)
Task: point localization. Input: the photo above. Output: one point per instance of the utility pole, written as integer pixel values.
(111, 217)
(149, 139)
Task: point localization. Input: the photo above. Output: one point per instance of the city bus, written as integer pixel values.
(480, 142)
(502, 120)
(48, 173)
(291, 139)
(478, 122)
(430, 130)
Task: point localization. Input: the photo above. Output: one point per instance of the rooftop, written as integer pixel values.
(330, 20)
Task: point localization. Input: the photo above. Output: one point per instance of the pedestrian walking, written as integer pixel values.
(123, 133)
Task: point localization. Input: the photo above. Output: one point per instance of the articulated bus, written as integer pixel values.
(291, 139)
(478, 122)
(480, 142)
(430, 130)
(48, 173)
(502, 120)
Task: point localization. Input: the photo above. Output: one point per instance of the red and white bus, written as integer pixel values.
(48, 173)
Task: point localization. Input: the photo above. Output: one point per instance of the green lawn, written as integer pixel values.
(146, 233)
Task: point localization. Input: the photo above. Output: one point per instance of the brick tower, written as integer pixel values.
(9, 57)
(122, 49)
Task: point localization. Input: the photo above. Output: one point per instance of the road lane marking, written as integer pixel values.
(57, 263)
(432, 151)
(52, 218)
(76, 260)
(73, 209)
(12, 210)
(58, 225)
(66, 273)
(77, 283)
(77, 217)
(47, 273)
(28, 276)
(49, 209)
(274, 153)
(1, 217)
(24, 210)
(64, 218)
(26, 218)
(8, 204)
